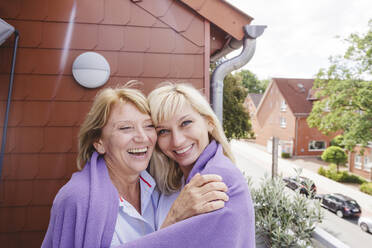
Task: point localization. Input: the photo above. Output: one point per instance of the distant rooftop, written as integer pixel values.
(296, 93)
(256, 98)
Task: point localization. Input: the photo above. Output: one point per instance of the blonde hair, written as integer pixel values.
(91, 129)
(165, 101)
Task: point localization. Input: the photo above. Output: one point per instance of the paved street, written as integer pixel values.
(255, 162)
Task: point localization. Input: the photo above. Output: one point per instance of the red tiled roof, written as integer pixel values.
(295, 91)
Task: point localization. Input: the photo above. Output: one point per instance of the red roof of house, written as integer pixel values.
(296, 91)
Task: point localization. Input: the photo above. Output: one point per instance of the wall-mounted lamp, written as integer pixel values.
(91, 70)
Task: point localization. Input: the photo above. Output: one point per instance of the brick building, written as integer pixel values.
(251, 103)
(361, 162)
(282, 113)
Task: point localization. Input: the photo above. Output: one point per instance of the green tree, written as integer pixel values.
(345, 97)
(236, 121)
(336, 155)
(338, 141)
(250, 81)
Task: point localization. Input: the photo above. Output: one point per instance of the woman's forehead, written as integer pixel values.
(126, 111)
(177, 113)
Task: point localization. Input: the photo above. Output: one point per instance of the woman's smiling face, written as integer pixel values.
(128, 139)
(184, 137)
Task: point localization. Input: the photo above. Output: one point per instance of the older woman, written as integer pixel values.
(113, 200)
(190, 141)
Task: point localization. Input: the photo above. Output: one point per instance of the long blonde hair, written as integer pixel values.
(91, 129)
(165, 101)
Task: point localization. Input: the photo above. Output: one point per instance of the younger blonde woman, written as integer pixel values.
(190, 141)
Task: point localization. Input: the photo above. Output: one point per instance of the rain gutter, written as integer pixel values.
(251, 32)
(3, 141)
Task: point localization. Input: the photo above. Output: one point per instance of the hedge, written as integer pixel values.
(342, 177)
(286, 155)
(366, 188)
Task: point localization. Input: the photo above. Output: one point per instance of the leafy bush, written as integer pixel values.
(284, 220)
(351, 178)
(342, 177)
(322, 171)
(335, 154)
(366, 188)
(285, 155)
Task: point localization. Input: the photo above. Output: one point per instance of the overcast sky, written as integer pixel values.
(301, 34)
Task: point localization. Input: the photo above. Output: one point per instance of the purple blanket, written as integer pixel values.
(232, 226)
(84, 211)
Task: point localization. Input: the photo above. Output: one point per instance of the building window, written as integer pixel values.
(283, 122)
(283, 106)
(358, 162)
(316, 145)
(368, 163)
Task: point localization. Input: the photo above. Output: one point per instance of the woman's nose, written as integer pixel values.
(140, 135)
(177, 138)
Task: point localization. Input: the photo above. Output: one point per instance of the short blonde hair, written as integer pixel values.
(165, 102)
(96, 119)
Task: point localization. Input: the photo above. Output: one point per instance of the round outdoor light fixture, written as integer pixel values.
(91, 70)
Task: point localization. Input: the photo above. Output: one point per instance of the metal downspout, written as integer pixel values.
(3, 141)
(249, 46)
(296, 137)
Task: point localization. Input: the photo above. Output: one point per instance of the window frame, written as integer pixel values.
(316, 150)
(358, 161)
(282, 122)
(367, 161)
(283, 106)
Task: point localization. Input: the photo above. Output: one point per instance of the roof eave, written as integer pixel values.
(233, 19)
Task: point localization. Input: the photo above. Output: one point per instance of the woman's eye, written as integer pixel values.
(125, 128)
(185, 123)
(162, 131)
(150, 126)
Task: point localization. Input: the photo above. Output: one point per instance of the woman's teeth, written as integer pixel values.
(183, 150)
(137, 150)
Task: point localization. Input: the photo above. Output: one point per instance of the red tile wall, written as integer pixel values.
(148, 41)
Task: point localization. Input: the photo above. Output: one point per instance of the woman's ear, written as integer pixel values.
(98, 145)
(210, 126)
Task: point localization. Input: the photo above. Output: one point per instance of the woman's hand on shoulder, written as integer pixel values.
(203, 194)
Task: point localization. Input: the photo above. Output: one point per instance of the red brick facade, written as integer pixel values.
(361, 162)
(280, 114)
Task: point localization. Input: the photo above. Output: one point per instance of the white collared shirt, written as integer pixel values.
(131, 225)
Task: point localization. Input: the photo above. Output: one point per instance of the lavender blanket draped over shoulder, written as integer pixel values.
(229, 227)
(84, 211)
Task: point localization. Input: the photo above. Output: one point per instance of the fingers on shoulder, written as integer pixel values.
(216, 196)
(200, 180)
(212, 206)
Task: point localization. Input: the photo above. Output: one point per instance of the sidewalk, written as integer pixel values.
(310, 166)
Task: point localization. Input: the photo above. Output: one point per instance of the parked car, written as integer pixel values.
(365, 224)
(303, 183)
(342, 205)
